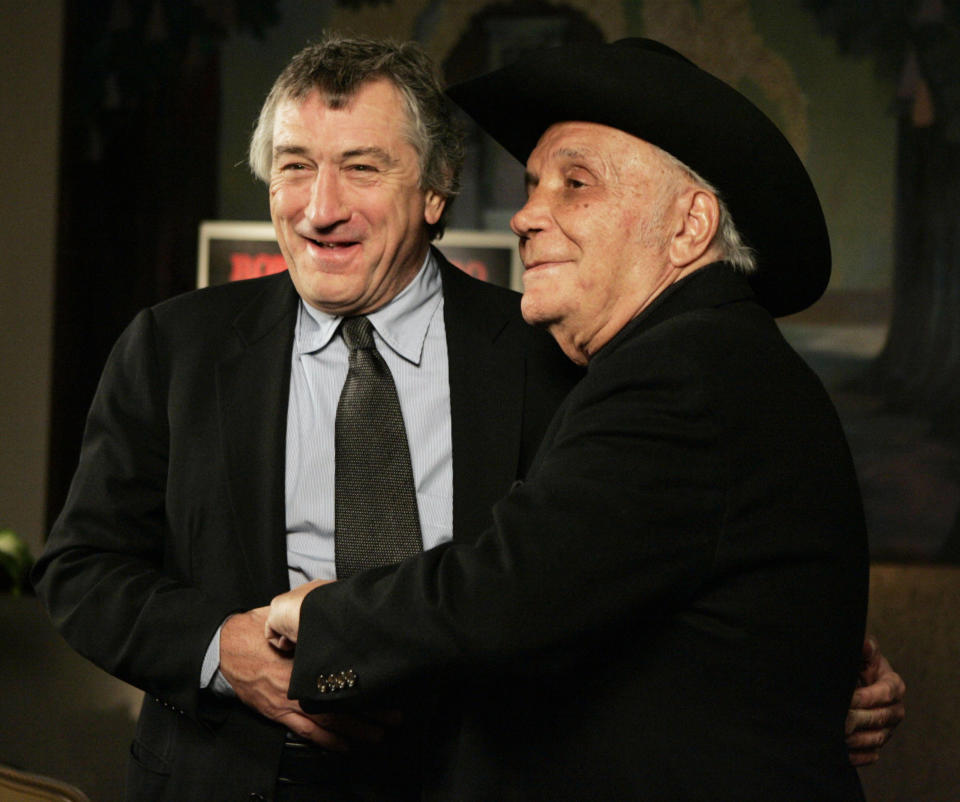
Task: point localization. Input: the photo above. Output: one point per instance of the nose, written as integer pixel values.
(327, 205)
(531, 218)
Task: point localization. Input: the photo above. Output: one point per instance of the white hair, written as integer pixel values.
(730, 244)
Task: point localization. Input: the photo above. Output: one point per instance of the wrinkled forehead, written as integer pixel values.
(376, 97)
(593, 144)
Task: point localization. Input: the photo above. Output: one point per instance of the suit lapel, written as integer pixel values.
(252, 389)
(486, 400)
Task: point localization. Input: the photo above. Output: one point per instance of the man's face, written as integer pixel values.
(349, 213)
(593, 233)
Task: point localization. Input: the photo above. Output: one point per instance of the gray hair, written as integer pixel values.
(338, 66)
(733, 249)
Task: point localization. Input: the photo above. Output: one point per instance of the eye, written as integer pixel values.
(362, 168)
(577, 177)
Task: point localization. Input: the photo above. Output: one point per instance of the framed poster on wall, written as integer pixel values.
(232, 250)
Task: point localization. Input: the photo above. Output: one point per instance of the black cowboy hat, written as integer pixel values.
(648, 90)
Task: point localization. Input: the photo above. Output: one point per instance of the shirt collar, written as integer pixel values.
(402, 323)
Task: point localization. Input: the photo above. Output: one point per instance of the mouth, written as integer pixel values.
(329, 245)
(541, 263)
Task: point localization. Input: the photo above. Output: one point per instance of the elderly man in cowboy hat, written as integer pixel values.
(671, 606)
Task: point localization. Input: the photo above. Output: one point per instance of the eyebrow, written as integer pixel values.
(572, 153)
(289, 150)
(372, 151)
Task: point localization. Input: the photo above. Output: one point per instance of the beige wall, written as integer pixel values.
(30, 99)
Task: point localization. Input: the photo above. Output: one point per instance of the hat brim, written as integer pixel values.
(646, 89)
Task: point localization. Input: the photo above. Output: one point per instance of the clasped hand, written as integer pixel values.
(256, 658)
(283, 619)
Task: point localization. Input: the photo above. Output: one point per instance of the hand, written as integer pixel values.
(876, 708)
(260, 676)
(283, 622)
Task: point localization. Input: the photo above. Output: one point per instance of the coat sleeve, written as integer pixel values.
(617, 524)
(105, 576)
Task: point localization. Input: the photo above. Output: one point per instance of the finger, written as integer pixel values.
(877, 718)
(870, 648)
(863, 758)
(869, 740)
(273, 625)
(888, 690)
(306, 727)
(276, 638)
(280, 642)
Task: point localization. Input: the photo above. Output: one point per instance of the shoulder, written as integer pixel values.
(730, 362)
(703, 339)
(212, 321)
(703, 358)
(226, 300)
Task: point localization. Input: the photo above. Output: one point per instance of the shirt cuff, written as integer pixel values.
(210, 676)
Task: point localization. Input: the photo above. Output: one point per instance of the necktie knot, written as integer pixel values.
(357, 333)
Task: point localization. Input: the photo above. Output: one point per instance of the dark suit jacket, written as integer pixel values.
(671, 607)
(175, 517)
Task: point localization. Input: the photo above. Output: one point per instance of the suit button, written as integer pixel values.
(257, 797)
(337, 681)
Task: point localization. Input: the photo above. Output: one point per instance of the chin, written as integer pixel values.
(536, 308)
(529, 312)
(329, 293)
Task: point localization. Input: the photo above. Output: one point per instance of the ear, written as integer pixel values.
(433, 206)
(699, 215)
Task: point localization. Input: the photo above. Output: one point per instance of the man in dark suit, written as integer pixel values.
(671, 606)
(205, 484)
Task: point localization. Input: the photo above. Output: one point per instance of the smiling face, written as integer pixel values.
(345, 199)
(595, 233)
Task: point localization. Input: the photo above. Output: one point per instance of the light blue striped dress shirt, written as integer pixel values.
(411, 337)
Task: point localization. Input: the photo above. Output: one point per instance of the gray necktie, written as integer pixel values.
(376, 504)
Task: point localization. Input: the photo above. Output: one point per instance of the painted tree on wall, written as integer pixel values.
(918, 43)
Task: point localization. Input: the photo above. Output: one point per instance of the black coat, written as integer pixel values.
(671, 607)
(175, 517)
